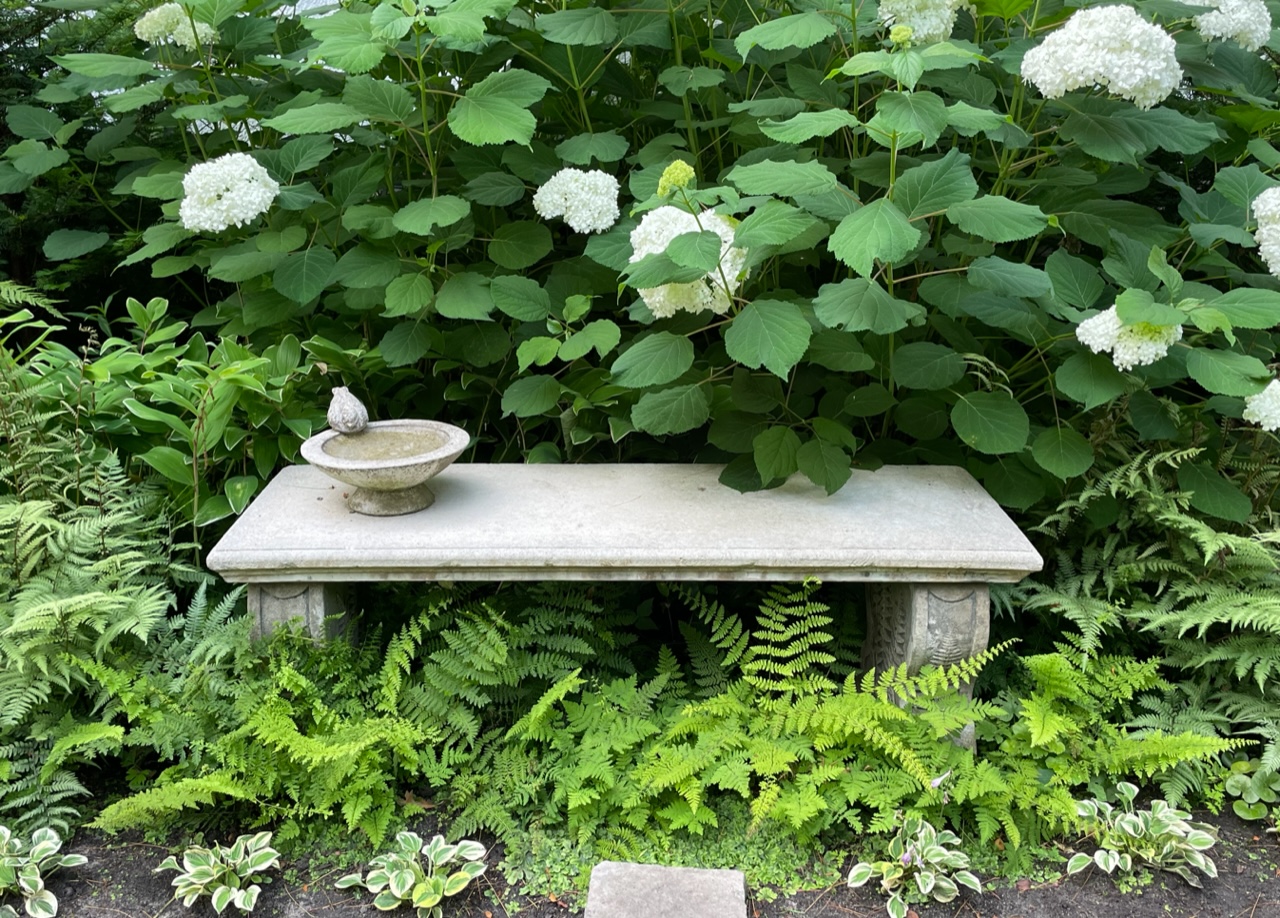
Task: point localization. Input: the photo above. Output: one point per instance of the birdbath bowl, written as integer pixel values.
(388, 463)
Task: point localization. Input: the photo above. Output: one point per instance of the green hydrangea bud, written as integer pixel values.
(677, 175)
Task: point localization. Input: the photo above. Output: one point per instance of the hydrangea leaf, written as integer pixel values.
(933, 187)
(421, 217)
(655, 360)
(496, 110)
(530, 396)
(825, 464)
(465, 296)
(783, 179)
(1247, 307)
(876, 232)
(302, 276)
(379, 100)
(769, 333)
(1010, 278)
(1075, 281)
(774, 452)
(926, 365)
(589, 26)
(63, 244)
(1063, 452)
(905, 113)
(518, 245)
(858, 304)
(672, 411)
(997, 219)
(772, 223)
(103, 65)
(320, 118)
(680, 80)
(991, 422)
(1091, 379)
(580, 149)
(602, 335)
(808, 125)
(408, 295)
(803, 30)
(33, 123)
(1227, 372)
(1212, 494)
(346, 41)
(521, 298)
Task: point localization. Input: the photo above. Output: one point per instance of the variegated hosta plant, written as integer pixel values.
(1159, 837)
(417, 874)
(23, 869)
(922, 855)
(227, 875)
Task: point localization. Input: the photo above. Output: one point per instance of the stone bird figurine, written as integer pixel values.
(347, 414)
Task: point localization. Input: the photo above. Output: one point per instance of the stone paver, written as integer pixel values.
(622, 890)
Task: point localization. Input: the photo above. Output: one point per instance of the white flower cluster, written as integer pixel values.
(930, 21)
(1263, 409)
(655, 232)
(1266, 210)
(588, 201)
(170, 24)
(1108, 46)
(1246, 22)
(229, 190)
(1130, 345)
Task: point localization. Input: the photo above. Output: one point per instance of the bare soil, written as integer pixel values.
(118, 883)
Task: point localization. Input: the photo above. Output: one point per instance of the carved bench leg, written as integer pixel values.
(919, 623)
(319, 605)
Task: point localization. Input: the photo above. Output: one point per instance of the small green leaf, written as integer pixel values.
(775, 451)
(421, 217)
(581, 149)
(997, 219)
(1227, 372)
(769, 333)
(320, 118)
(825, 464)
(302, 276)
(496, 110)
(798, 30)
(1091, 379)
(521, 298)
(519, 245)
(104, 65)
(991, 422)
(168, 462)
(602, 335)
(672, 411)
(935, 186)
(877, 232)
(530, 396)
(1212, 494)
(406, 343)
(783, 179)
(858, 304)
(924, 365)
(655, 360)
(465, 296)
(589, 26)
(1062, 452)
(61, 245)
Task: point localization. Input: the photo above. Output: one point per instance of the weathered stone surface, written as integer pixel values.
(321, 607)
(620, 890)
(929, 525)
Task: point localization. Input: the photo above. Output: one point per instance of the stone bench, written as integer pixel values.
(927, 541)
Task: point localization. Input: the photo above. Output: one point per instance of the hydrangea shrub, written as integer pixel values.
(790, 237)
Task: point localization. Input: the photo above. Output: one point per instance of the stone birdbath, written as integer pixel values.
(387, 462)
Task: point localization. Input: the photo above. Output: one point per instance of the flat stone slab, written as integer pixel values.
(631, 522)
(621, 890)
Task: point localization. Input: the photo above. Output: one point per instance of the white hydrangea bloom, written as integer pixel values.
(588, 201)
(1246, 22)
(1099, 333)
(1143, 344)
(1263, 409)
(169, 24)
(1266, 210)
(1108, 46)
(1129, 345)
(930, 21)
(230, 190)
(655, 232)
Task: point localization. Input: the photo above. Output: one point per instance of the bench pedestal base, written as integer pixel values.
(918, 623)
(321, 606)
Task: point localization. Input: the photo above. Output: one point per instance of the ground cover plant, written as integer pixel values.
(1037, 241)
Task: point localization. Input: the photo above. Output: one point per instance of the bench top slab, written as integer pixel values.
(631, 522)
(624, 890)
